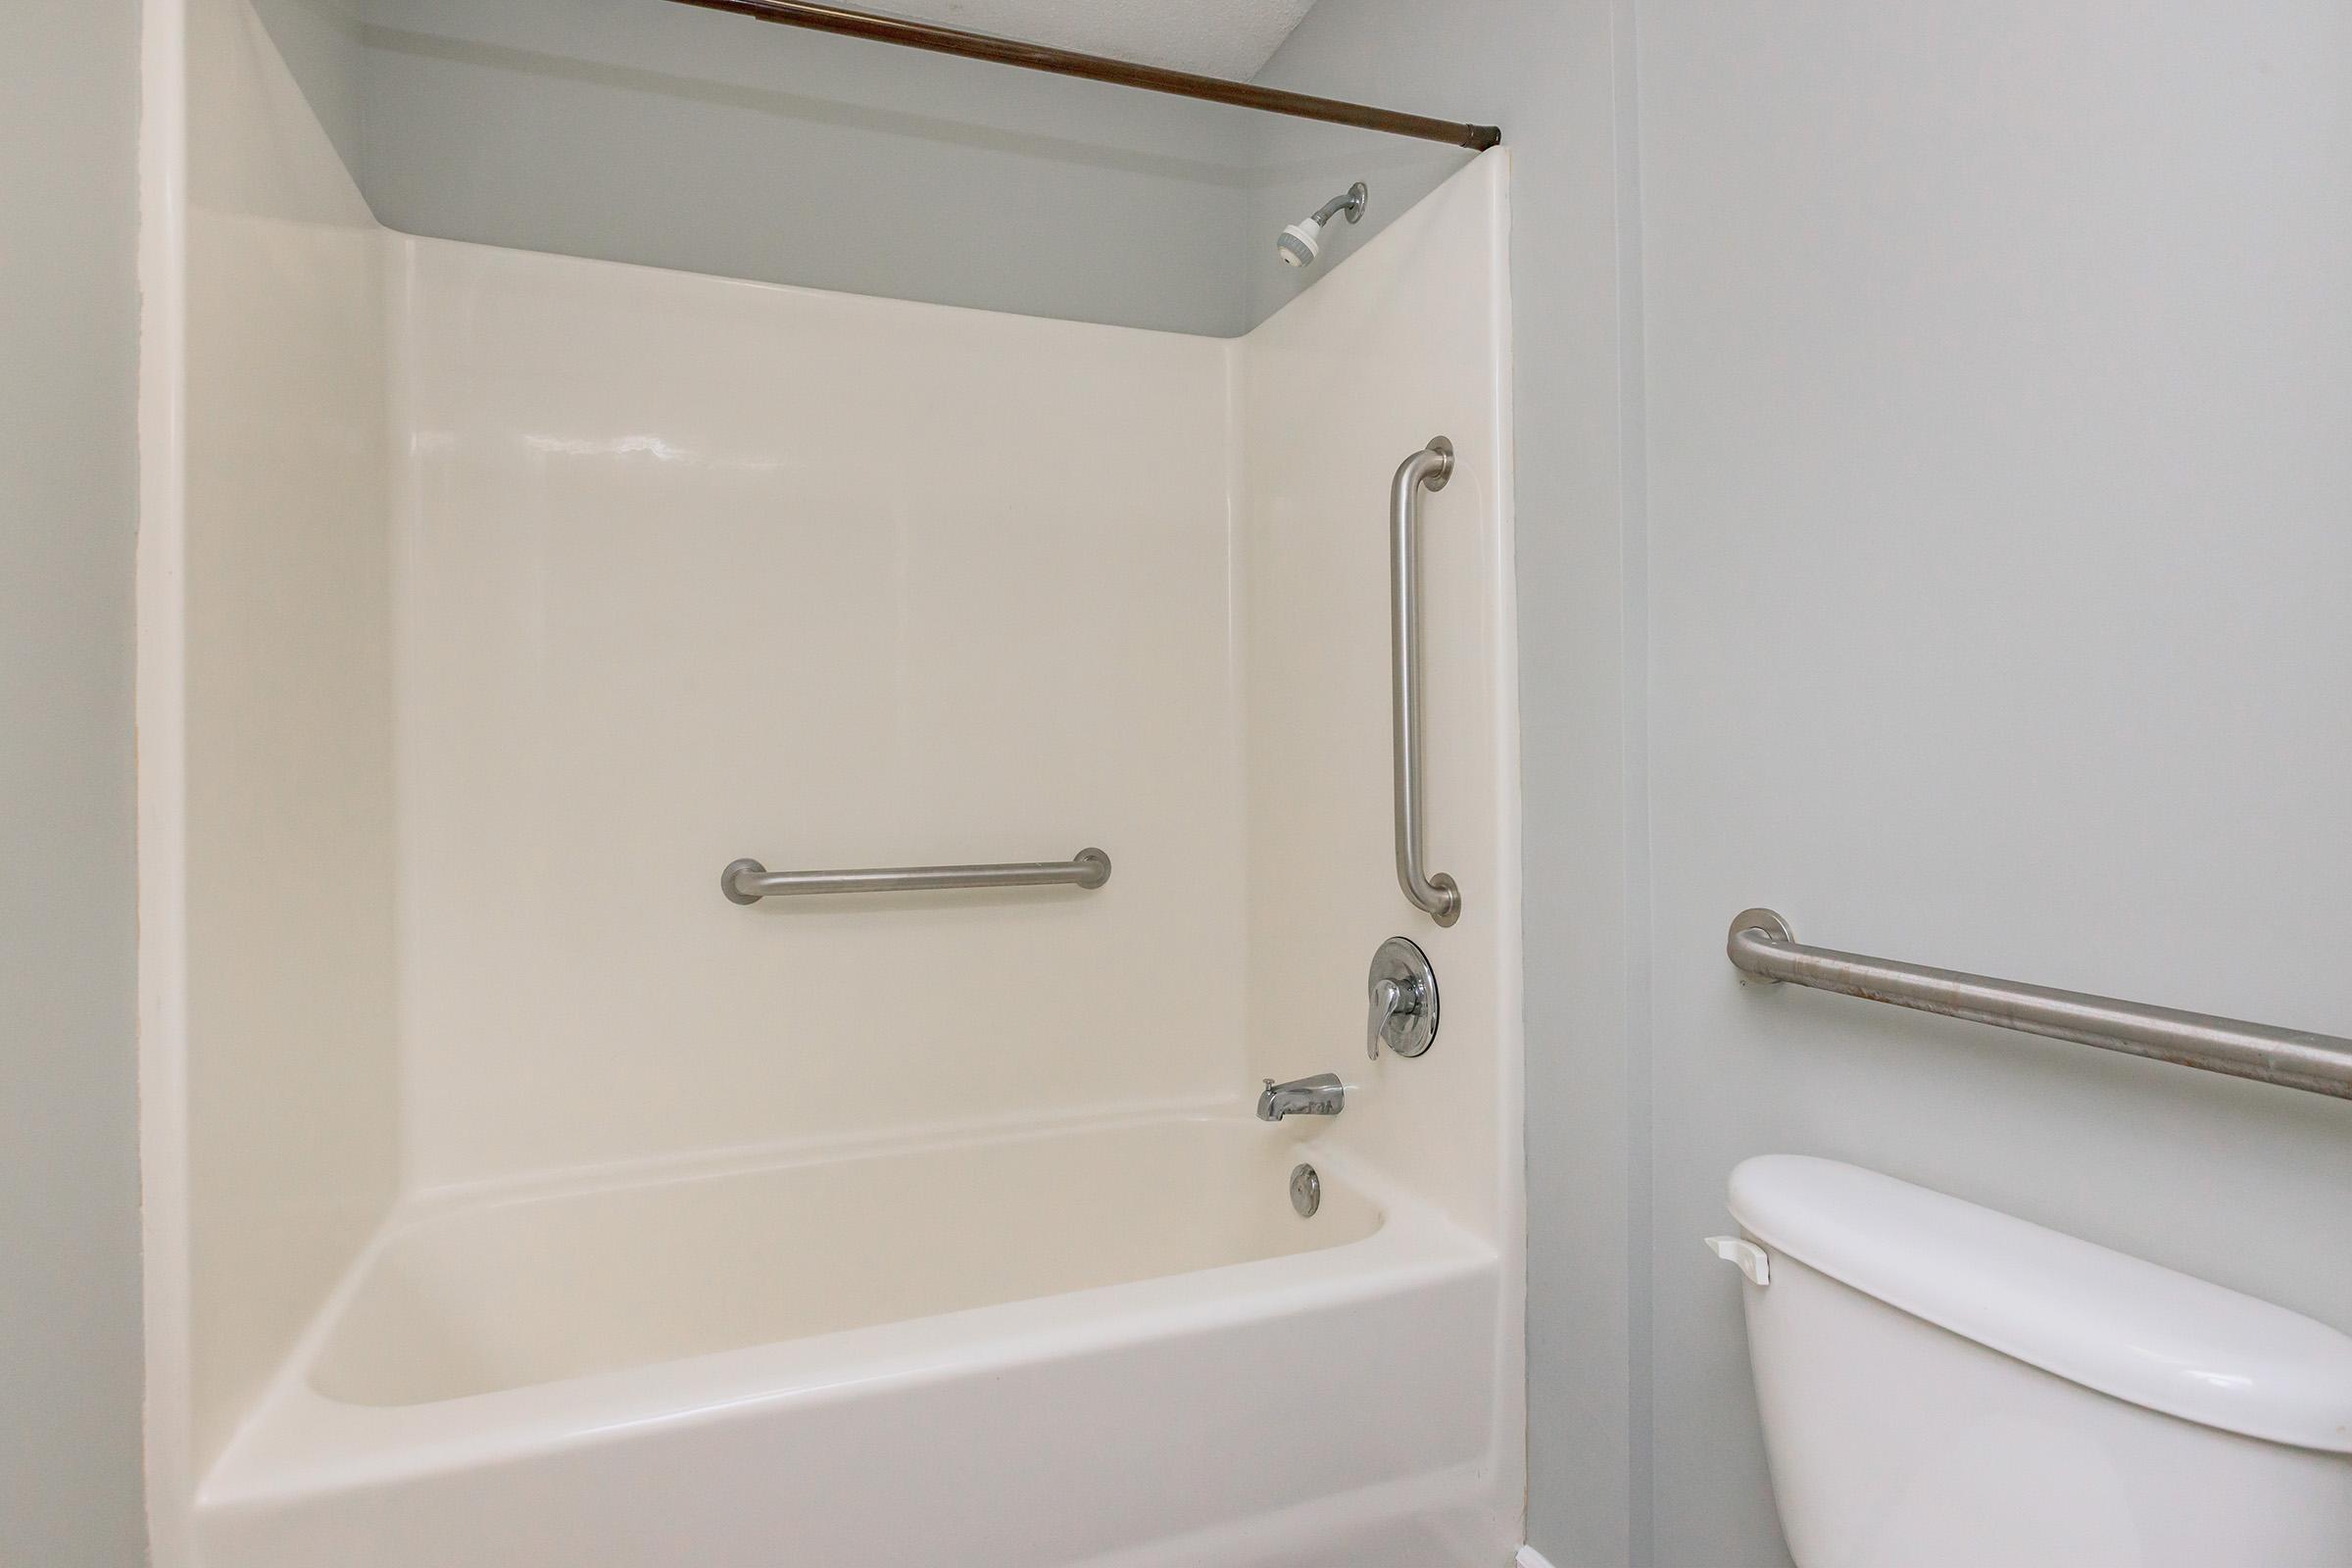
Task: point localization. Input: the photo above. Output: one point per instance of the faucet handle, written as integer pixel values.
(1404, 992)
(1388, 999)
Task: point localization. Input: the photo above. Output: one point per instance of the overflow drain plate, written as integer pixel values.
(1306, 1191)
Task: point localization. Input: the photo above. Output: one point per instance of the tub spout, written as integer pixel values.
(1319, 1096)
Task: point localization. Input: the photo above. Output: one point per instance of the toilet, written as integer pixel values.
(1943, 1386)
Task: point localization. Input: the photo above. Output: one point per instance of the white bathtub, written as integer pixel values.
(1110, 1343)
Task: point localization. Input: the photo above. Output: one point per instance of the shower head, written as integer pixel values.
(1301, 242)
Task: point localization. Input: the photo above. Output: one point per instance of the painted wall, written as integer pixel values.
(323, 47)
(671, 137)
(695, 569)
(2010, 328)
(2000, 364)
(1302, 165)
(638, 132)
(1548, 75)
(1987, 374)
(68, 1175)
(286, 885)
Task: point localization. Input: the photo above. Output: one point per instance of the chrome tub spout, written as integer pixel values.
(1319, 1096)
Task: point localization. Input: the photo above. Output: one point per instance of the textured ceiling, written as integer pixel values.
(1216, 37)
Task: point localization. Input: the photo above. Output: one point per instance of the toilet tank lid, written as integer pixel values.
(2105, 1319)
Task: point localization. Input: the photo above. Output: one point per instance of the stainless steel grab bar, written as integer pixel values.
(748, 881)
(1426, 469)
(1763, 950)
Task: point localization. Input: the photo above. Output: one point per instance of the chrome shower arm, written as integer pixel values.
(1350, 201)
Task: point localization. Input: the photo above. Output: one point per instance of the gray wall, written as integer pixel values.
(1988, 373)
(1966, 579)
(636, 131)
(1549, 73)
(320, 42)
(70, 1350)
(632, 130)
(1302, 166)
(2000, 377)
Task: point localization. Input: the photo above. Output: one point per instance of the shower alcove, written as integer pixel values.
(514, 1200)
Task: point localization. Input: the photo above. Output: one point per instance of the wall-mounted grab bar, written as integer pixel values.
(1763, 950)
(748, 881)
(1426, 469)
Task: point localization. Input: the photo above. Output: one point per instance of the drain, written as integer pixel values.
(1306, 1191)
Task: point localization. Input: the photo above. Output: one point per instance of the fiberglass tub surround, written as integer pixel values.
(929, 1226)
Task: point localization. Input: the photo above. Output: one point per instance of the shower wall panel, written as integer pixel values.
(692, 569)
(1404, 342)
(287, 1126)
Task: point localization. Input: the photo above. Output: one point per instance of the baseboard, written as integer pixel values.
(1529, 1558)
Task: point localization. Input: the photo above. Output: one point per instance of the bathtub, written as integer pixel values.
(1110, 1343)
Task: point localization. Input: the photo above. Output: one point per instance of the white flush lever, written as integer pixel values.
(1745, 1255)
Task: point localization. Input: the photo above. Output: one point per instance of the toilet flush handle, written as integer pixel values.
(1745, 1255)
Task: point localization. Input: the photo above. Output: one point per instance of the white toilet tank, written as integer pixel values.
(1948, 1387)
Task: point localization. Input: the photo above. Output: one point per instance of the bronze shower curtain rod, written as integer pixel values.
(1096, 68)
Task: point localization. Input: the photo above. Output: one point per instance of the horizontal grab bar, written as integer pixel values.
(1763, 950)
(748, 881)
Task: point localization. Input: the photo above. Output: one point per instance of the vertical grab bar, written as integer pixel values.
(1426, 469)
